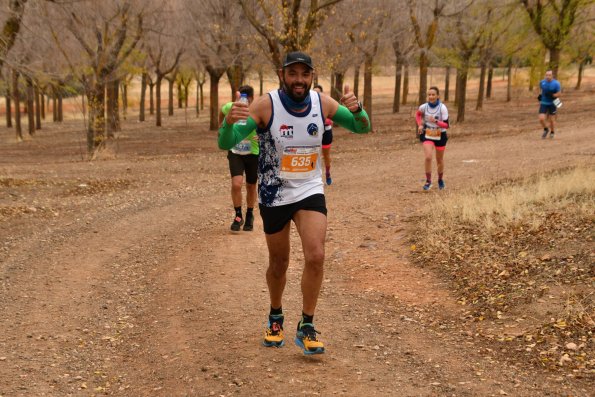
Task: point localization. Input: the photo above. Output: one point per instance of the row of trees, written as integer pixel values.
(50, 48)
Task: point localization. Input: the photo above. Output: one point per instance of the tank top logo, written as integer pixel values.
(286, 131)
(312, 129)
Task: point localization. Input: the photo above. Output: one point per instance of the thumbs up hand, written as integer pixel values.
(239, 111)
(349, 100)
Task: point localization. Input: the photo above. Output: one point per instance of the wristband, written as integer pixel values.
(359, 108)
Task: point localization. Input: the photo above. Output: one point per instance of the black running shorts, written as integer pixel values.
(274, 219)
(440, 143)
(240, 163)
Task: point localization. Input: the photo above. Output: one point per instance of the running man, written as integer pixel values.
(289, 124)
(432, 123)
(550, 90)
(327, 140)
(243, 158)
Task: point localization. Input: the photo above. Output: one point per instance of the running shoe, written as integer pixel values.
(428, 186)
(237, 223)
(545, 132)
(552, 135)
(441, 184)
(273, 335)
(249, 225)
(329, 180)
(305, 338)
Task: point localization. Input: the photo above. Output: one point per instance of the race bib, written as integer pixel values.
(244, 147)
(299, 162)
(433, 133)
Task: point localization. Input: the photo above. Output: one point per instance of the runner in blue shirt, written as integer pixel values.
(550, 91)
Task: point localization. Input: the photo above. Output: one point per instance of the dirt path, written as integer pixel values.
(119, 277)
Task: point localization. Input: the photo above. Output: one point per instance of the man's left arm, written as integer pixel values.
(350, 114)
(559, 90)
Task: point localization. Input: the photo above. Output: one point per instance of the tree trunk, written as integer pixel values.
(180, 94)
(446, 84)
(398, 79)
(332, 82)
(423, 77)
(151, 98)
(113, 113)
(462, 91)
(509, 83)
(8, 106)
(30, 108)
(96, 127)
(42, 103)
(480, 93)
(54, 104)
(489, 84)
(143, 93)
(170, 96)
(124, 90)
(554, 61)
(60, 107)
(202, 96)
(579, 79)
(235, 75)
(368, 88)
(337, 90)
(356, 81)
(457, 82)
(38, 102)
(159, 79)
(532, 77)
(405, 84)
(260, 81)
(214, 76)
(186, 87)
(17, 105)
(197, 99)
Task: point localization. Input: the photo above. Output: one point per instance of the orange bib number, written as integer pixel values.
(433, 133)
(299, 163)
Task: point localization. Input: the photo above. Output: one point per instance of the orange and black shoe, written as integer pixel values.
(237, 223)
(306, 339)
(273, 335)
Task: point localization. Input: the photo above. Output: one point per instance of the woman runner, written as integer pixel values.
(432, 122)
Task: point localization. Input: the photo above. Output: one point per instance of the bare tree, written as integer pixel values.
(552, 20)
(425, 28)
(469, 32)
(220, 40)
(107, 33)
(402, 43)
(287, 25)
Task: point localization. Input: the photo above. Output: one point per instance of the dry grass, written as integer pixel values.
(522, 248)
(525, 200)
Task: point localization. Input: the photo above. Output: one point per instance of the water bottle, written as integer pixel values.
(243, 99)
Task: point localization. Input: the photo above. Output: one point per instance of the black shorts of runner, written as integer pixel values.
(240, 163)
(548, 109)
(274, 219)
(327, 138)
(440, 143)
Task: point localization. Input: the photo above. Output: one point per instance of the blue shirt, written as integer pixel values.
(548, 89)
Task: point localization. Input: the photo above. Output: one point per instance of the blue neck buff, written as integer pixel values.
(293, 104)
(433, 105)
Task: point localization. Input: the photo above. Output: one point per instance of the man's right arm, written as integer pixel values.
(231, 135)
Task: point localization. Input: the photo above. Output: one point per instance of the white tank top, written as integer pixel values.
(289, 165)
(440, 113)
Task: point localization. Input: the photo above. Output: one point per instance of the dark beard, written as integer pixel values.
(294, 98)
